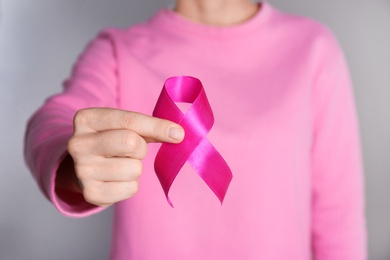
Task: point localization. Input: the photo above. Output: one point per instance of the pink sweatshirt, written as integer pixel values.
(285, 122)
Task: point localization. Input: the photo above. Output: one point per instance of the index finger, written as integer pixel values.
(153, 129)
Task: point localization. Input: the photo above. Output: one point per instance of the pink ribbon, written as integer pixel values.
(194, 148)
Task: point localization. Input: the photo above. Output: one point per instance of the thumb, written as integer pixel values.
(174, 133)
(152, 129)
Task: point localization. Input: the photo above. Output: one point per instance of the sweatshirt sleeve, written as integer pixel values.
(338, 221)
(93, 83)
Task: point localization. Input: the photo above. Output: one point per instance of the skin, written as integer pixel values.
(217, 12)
(108, 145)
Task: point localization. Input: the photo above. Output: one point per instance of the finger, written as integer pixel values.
(119, 143)
(151, 128)
(107, 193)
(110, 170)
(111, 143)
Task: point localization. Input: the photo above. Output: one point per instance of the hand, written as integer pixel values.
(107, 147)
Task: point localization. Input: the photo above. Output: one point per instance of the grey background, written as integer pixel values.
(39, 41)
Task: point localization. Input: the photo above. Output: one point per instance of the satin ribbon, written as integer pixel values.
(195, 148)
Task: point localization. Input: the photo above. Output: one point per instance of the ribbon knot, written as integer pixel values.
(195, 148)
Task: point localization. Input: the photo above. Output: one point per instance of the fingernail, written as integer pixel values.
(176, 133)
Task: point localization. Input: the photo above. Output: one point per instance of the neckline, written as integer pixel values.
(168, 20)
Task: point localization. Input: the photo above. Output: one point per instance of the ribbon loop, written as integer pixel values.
(194, 148)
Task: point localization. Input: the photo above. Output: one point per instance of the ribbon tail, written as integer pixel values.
(212, 168)
(167, 165)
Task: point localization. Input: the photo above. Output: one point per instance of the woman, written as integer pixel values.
(284, 122)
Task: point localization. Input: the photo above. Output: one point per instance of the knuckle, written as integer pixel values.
(132, 189)
(144, 152)
(83, 145)
(137, 168)
(74, 145)
(80, 117)
(91, 196)
(130, 141)
(128, 120)
(158, 130)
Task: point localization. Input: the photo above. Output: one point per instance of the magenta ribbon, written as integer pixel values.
(194, 148)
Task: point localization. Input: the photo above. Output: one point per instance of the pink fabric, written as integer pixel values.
(195, 148)
(285, 122)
